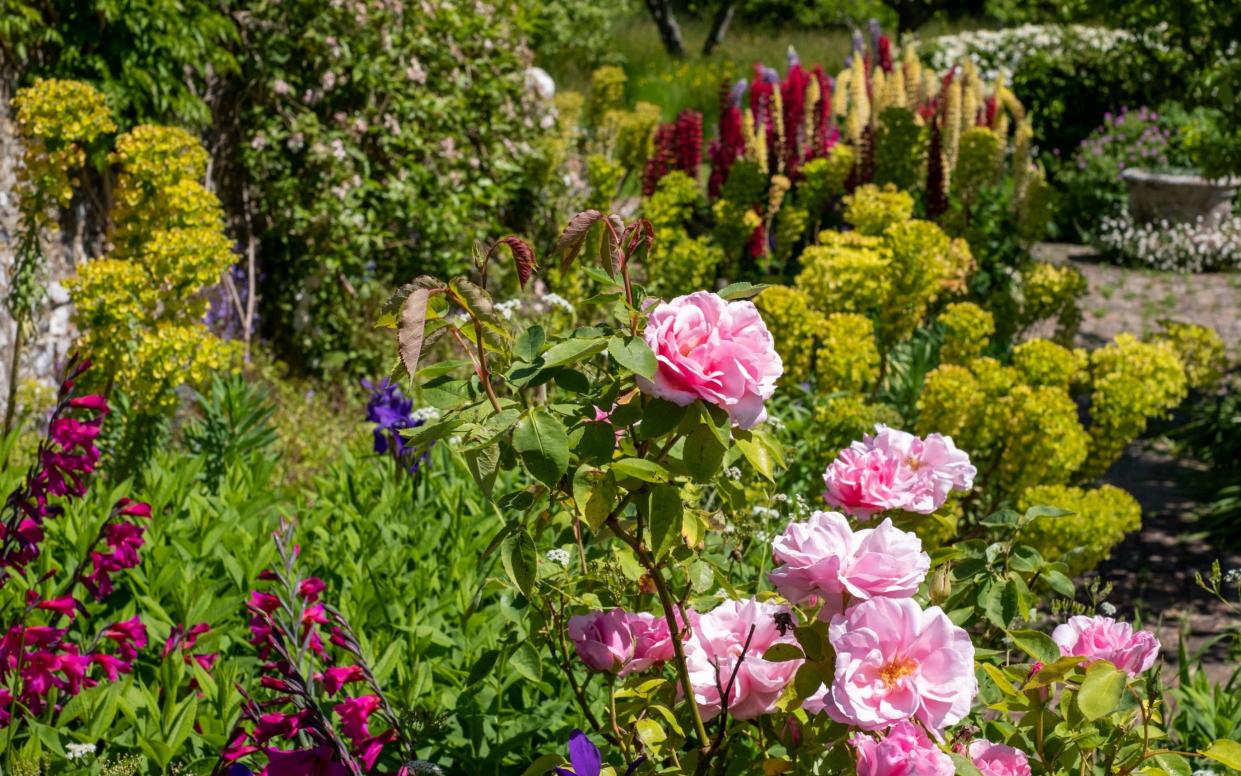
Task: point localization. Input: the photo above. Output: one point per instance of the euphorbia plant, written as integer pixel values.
(637, 482)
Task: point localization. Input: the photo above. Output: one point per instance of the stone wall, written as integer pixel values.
(43, 356)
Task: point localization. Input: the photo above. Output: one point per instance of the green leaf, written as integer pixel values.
(482, 667)
(411, 329)
(594, 491)
(1036, 644)
(529, 344)
(525, 661)
(1001, 519)
(660, 417)
(1101, 690)
(812, 642)
(520, 560)
(782, 653)
(1173, 764)
(963, 765)
(484, 465)
(757, 453)
(543, 444)
(573, 350)
(700, 576)
(734, 291)
(541, 766)
(1035, 512)
(1060, 583)
(664, 515)
(1224, 752)
(651, 732)
(640, 469)
(634, 354)
(702, 453)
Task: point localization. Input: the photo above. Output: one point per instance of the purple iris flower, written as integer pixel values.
(391, 410)
(737, 92)
(585, 758)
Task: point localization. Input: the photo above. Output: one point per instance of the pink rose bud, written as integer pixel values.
(620, 642)
(715, 350)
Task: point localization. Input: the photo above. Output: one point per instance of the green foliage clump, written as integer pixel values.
(921, 262)
(794, 324)
(678, 263)
(1201, 351)
(840, 420)
(1051, 291)
(846, 272)
(607, 93)
(380, 145)
(628, 133)
(1131, 381)
(791, 224)
(1102, 517)
(140, 308)
(603, 176)
(1043, 362)
(871, 209)
(900, 149)
(823, 178)
(978, 163)
(967, 330)
(847, 354)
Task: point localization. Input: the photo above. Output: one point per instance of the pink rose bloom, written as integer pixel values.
(719, 638)
(998, 759)
(1102, 638)
(811, 555)
(894, 469)
(823, 559)
(905, 750)
(895, 661)
(620, 642)
(714, 350)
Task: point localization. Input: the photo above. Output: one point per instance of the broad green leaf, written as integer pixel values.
(541, 766)
(484, 465)
(663, 518)
(812, 642)
(1173, 764)
(525, 661)
(482, 667)
(543, 444)
(634, 354)
(756, 453)
(660, 417)
(734, 291)
(651, 732)
(411, 328)
(520, 560)
(529, 344)
(1224, 752)
(640, 469)
(1036, 644)
(1060, 583)
(703, 453)
(1035, 512)
(782, 653)
(573, 350)
(1101, 690)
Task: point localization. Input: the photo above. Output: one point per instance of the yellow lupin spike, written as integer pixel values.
(879, 92)
(896, 88)
(952, 121)
(913, 76)
(777, 116)
(1022, 141)
(813, 95)
(840, 97)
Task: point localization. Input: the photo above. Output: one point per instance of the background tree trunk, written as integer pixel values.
(669, 30)
(719, 26)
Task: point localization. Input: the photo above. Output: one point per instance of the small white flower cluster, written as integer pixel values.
(559, 556)
(556, 300)
(1107, 609)
(1000, 52)
(1233, 577)
(425, 414)
(507, 308)
(75, 751)
(766, 513)
(1183, 247)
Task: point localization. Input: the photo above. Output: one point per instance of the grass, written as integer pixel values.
(696, 82)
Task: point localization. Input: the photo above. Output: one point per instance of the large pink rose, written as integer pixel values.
(998, 759)
(714, 350)
(893, 469)
(715, 653)
(1102, 638)
(823, 559)
(620, 642)
(905, 750)
(895, 661)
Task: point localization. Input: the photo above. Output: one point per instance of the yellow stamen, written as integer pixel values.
(892, 672)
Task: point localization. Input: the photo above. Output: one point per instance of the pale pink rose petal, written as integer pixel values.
(1102, 638)
(998, 759)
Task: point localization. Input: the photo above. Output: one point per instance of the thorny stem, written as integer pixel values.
(562, 658)
(725, 694)
(670, 610)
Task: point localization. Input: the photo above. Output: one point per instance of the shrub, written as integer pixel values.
(1043, 362)
(847, 354)
(871, 209)
(420, 134)
(795, 325)
(967, 330)
(1201, 351)
(1051, 291)
(1101, 518)
(678, 263)
(846, 272)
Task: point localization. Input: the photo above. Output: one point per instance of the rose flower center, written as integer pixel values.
(894, 671)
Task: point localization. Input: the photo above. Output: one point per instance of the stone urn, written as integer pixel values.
(1178, 198)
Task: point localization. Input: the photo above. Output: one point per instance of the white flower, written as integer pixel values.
(556, 300)
(76, 751)
(1107, 610)
(425, 414)
(559, 556)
